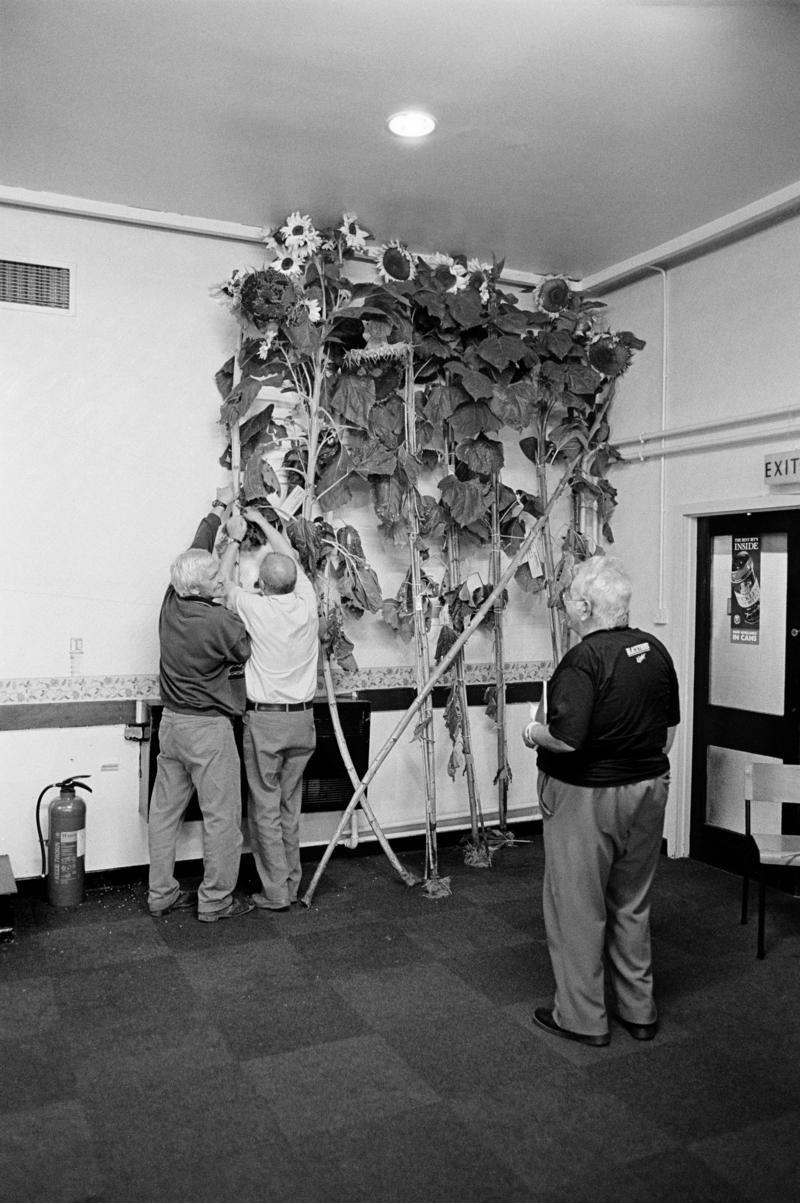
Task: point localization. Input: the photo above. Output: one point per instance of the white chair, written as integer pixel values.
(778, 784)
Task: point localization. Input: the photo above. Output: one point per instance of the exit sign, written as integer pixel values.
(782, 468)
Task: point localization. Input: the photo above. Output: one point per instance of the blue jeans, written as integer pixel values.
(196, 752)
(277, 747)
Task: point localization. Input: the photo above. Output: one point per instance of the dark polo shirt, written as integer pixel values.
(611, 698)
(203, 648)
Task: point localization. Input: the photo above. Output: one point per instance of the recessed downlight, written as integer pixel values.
(411, 123)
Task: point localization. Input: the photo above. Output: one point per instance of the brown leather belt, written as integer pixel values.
(282, 706)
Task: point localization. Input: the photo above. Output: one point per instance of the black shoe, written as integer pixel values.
(544, 1018)
(186, 901)
(238, 905)
(639, 1031)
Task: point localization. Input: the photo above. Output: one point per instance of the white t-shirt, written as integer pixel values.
(284, 636)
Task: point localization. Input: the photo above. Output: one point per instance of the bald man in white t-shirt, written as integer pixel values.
(279, 733)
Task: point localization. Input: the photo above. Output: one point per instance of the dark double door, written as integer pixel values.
(747, 670)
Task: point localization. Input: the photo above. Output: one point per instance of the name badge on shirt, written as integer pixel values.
(639, 651)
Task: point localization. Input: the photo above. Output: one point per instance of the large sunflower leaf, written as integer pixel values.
(516, 404)
(530, 448)
(371, 458)
(387, 423)
(430, 515)
(255, 432)
(555, 374)
(349, 539)
(447, 637)
(559, 343)
(582, 379)
(473, 418)
(332, 488)
(481, 454)
(239, 400)
(442, 400)
(501, 351)
(258, 478)
(354, 398)
(306, 538)
(408, 467)
(224, 378)
(512, 321)
(465, 307)
(467, 501)
(567, 439)
(368, 589)
(477, 384)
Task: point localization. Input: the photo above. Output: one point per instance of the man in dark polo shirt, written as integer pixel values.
(612, 711)
(203, 646)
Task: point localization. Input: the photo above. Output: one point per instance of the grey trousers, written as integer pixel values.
(277, 747)
(196, 752)
(601, 853)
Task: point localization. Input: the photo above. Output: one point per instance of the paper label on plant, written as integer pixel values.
(473, 582)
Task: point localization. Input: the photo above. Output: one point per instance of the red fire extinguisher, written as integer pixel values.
(66, 841)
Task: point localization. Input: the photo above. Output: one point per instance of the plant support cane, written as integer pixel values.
(503, 778)
(434, 886)
(476, 852)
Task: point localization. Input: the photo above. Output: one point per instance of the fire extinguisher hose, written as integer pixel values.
(39, 827)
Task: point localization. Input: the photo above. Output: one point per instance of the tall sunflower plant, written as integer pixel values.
(416, 374)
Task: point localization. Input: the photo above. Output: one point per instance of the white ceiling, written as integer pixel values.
(573, 134)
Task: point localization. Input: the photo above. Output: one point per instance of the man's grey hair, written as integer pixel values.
(278, 573)
(604, 584)
(189, 570)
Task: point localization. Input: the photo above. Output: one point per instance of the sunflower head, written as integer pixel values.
(288, 263)
(609, 356)
(553, 295)
(355, 239)
(396, 263)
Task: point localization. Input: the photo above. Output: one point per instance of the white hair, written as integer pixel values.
(189, 570)
(603, 583)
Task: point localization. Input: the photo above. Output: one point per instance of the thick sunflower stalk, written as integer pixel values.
(476, 852)
(435, 886)
(503, 777)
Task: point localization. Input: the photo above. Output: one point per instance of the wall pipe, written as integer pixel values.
(777, 415)
(707, 445)
(662, 484)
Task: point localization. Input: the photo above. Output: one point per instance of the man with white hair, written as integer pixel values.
(612, 711)
(202, 647)
(279, 732)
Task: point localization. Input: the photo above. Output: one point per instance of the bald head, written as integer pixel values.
(278, 573)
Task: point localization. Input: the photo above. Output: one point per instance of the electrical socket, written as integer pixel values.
(661, 619)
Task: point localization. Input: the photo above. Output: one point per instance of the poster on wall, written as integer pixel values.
(745, 589)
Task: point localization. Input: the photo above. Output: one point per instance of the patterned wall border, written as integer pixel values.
(15, 691)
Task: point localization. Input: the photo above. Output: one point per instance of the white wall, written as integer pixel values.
(731, 350)
(110, 439)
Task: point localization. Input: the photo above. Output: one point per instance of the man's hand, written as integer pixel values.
(236, 527)
(225, 494)
(257, 518)
(276, 539)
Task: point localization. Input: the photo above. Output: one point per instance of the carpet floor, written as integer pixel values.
(379, 1046)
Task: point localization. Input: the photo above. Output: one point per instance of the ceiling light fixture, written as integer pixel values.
(411, 123)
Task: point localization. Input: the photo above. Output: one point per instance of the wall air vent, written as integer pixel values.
(35, 285)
